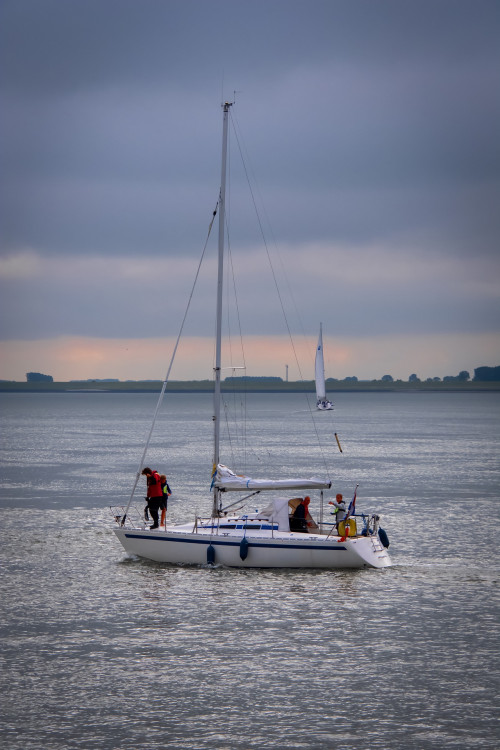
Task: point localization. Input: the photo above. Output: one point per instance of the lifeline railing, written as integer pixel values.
(370, 524)
(135, 516)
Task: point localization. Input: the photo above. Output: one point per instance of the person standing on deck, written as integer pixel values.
(166, 491)
(340, 511)
(154, 494)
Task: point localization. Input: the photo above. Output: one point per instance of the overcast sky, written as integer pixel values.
(371, 132)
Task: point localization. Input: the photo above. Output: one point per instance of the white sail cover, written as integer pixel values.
(320, 368)
(278, 512)
(227, 481)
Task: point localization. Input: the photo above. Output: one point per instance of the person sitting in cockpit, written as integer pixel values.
(298, 520)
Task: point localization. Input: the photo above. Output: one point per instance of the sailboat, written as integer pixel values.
(322, 402)
(274, 536)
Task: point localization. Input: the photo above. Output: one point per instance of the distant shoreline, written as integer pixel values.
(257, 386)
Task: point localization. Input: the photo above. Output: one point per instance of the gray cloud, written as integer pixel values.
(366, 124)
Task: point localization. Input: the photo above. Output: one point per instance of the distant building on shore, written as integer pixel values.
(38, 377)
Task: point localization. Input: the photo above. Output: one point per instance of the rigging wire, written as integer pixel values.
(167, 376)
(240, 436)
(278, 254)
(273, 272)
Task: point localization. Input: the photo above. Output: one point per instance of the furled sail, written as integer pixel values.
(227, 481)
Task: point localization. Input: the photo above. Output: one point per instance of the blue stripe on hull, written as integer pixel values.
(276, 545)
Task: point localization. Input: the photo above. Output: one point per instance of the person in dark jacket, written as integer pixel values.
(154, 494)
(298, 520)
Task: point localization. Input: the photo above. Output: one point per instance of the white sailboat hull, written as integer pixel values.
(324, 405)
(181, 545)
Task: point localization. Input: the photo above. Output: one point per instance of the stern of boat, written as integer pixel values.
(370, 550)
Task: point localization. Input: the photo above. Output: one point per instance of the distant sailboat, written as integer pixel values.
(322, 402)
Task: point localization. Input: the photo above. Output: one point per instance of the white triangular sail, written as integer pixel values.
(321, 400)
(320, 368)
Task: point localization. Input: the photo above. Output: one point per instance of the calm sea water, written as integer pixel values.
(103, 651)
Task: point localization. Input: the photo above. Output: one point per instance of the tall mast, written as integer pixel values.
(218, 338)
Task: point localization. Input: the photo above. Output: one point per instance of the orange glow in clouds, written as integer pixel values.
(81, 358)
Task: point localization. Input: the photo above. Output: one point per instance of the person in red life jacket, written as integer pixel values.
(307, 500)
(164, 501)
(154, 494)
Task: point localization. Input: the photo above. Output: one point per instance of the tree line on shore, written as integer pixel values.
(481, 374)
(485, 379)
